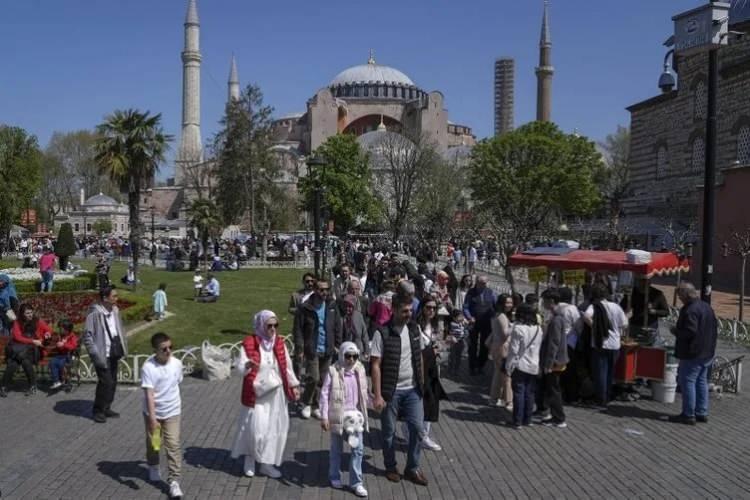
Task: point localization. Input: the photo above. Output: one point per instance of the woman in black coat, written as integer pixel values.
(433, 390)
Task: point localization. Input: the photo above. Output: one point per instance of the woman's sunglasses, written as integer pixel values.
(351, 356)
(272, 325)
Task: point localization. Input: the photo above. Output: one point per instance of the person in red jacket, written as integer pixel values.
(67, 344)
(27, 336)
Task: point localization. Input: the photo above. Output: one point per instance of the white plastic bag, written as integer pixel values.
(217, 363)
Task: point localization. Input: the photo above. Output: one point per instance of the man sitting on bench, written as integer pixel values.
(211, 291)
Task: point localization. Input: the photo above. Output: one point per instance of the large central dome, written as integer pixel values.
(371, 72)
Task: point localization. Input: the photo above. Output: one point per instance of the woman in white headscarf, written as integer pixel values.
(268, 383)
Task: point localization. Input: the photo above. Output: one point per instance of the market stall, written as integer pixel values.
(574, 267)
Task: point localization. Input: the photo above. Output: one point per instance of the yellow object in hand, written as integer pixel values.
(156, 439)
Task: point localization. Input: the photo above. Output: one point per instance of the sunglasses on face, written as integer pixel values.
(323, 289)
(351, 356)
(430, 307)
(272, 325)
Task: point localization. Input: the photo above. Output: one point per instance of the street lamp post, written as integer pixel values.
(704, 29)
(313, 164)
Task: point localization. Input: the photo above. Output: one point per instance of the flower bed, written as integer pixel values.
(51, 307)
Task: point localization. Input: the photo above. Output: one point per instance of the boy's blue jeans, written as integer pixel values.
(355, 460)
(56, 366)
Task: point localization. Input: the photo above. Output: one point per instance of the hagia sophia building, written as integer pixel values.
(364, 100)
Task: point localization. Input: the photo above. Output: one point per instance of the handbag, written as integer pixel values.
(267, 383)
(116, 351)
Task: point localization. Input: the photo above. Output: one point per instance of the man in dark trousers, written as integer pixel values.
(106, 344)
(696, 333)
(316, 338)
(479, 309)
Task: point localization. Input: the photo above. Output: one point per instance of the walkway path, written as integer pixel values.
(52, 449)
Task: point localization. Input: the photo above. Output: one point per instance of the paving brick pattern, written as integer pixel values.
(50, 448)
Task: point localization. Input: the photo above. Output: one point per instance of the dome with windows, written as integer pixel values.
(374, 81)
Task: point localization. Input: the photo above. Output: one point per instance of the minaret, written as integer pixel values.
(191, 149)
(234, 82)
(544, 71)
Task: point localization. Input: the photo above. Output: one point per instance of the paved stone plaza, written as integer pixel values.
(52, 449)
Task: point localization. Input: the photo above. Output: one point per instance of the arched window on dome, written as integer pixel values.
(743, 145)
(662, 162)
(375, 90)
(698, 156)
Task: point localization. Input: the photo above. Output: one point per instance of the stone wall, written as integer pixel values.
(673, 122)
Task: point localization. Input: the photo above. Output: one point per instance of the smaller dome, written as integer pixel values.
(101, 199)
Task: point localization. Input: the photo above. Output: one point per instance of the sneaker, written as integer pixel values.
(270, 471)
(249, 467)
(316, 413)
(336, 484)
(509, 406)
(553, 422)
(682, 419)
(56, 385)
(429, 444)
(3, 392)
(360, 491)
(99, 418)
(31, 391)
(306, 412)
(498, 403)
(541, 415)
(174, 490)
(153, 473)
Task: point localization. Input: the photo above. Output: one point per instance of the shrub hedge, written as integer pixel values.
(84, 282)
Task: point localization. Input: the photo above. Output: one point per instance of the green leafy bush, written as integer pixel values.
(84, 282)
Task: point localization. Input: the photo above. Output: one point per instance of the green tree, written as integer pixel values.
(206, 219)
(346, 182)
(65, 245)
(245, 163)
(613, 179)
(129, 149)
(524, 181)
(102, 226)
(20, 164)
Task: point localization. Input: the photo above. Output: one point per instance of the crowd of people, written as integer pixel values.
(380, 334)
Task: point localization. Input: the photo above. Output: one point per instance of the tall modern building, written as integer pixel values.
(505, 71)
(544, 71)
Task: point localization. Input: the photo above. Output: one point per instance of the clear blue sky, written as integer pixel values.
(66, 64)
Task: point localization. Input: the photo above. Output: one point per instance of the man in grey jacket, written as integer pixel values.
(553, 359)
(106, 344)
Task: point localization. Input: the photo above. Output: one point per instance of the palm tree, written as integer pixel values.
(204, 216)
(129, 149)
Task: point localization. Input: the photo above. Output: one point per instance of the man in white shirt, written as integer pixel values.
(161, 375)
(608, 323)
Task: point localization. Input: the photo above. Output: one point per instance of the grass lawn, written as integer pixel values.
(243, 293)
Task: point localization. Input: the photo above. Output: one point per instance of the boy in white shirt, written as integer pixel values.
(161, 375)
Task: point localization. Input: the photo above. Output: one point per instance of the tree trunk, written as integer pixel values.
(204, 241)
(134, 199)
(252, 201)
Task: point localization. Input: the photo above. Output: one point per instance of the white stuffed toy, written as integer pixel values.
(353, 425)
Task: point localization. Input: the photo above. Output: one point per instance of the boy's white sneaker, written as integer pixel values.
(336, 484)
(174, 490)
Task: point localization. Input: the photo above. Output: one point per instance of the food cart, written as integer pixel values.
(573, 267)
